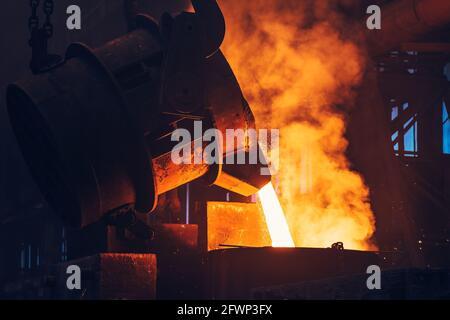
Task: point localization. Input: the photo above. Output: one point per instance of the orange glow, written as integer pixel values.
(296, 62)
(236, 224)
(275, 219)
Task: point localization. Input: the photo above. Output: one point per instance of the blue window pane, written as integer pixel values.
(445, 130)
(394, 113)
(408, 123)
(410, 139)
(405, 139)
(394, 136)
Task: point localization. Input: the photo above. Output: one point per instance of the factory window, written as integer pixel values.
(410, 137)
(404, 139)
(445, 130)
(394, 113)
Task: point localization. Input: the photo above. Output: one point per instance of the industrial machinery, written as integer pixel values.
(96, 130)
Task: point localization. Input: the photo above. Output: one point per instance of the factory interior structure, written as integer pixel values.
(361, 167)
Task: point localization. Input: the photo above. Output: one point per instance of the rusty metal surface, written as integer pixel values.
(397, 284)
(175, 238)
(244, 179)
(234, 273)
(236, 224)
(181, 275)
(83, 127)
(111, 276)
(169, 175)
(166, 238)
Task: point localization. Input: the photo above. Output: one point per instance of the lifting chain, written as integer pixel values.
(48, 10)
(41, 60)
(33, 20)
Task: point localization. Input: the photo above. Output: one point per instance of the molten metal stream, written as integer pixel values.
(275, 219)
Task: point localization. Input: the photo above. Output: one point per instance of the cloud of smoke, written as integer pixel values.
(297, 62)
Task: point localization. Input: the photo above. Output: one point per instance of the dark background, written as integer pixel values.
(24, 216)
(102, 20)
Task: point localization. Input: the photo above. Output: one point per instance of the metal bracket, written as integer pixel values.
(189, 39)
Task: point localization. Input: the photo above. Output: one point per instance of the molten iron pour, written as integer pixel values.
(275, 219)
